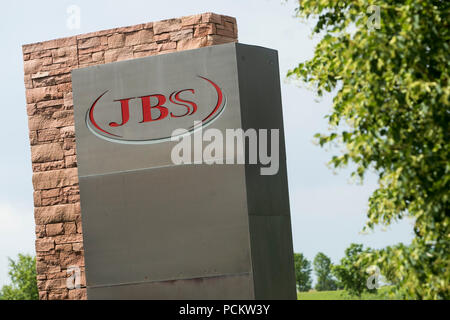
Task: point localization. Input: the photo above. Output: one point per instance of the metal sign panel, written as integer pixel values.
(154, 229)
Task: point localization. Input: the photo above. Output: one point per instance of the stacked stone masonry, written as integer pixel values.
(47, 67)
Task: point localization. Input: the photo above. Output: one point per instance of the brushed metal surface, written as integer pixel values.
(267, 195)
(139, 77)
(159, 224)
(155, 230)
(230, 287)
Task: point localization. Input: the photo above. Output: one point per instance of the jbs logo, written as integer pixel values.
(151, 118)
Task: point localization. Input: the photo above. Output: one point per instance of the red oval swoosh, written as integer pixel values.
(91, 117)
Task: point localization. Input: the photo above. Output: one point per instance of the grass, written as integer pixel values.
(382, 294)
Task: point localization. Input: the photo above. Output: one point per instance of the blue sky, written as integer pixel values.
(328, 212)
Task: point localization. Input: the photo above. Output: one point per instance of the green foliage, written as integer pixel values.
(391, 113)
(302, 272)
(22, 273)
(322, 268)
(351, 273)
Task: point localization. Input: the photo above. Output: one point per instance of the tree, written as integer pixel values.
(302, 272)
(322, 268)
(351, 273)
(390, 113)
(22, 273)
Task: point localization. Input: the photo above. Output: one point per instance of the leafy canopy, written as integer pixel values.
(22, 273)
(391, 114)
(351, 273)
(302, 272)
(322, 268)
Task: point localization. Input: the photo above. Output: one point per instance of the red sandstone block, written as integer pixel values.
(217, 39)
(89, 42)
(40, 54)
(50, 201)
(85, 58)
(71, 161)
(58, 43)
(44, 244)
(148, 25)
(78, 246)
(138, 37)
(43, 295)
(50, 193)
(167, 51)
(114, 55)
(33, 66)
(182, 34)
(52, 266)
(54, 229)
(31, 109)
(54, 72)
(205, 29)
(27, 80)
(70, 228)
(70, 60)
(56, 214)
(67, 132)
(229, 19)
(145, 47)
(79, 227)
(55, 178)
(102, 47)
(46, 166)
(128, 29)
(40, 46)
(42, 74)
(226, 33)
(33, 137)
(44, 82)
(70, 152)
(166, 26)
(46, 152)
(191, 44)
(98, 56)
(47, 93)
(55, 284)
(68, 100)
(40, 231)
(142, 54)
(73, 258)
(229, 26)
(70, 238)
(101, 33)
(161, 37)
(191, 20)
(57, 275)
(167, 46)
(63, 247)
(41, 267)
(49, 134)
(77, 294)
(211, 17)
(37, 198)
(69, 143)
(64, 52)
(41, 122)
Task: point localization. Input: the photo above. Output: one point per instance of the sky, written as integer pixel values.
(327, 209)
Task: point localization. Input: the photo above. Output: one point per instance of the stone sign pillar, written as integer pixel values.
(47, 67)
